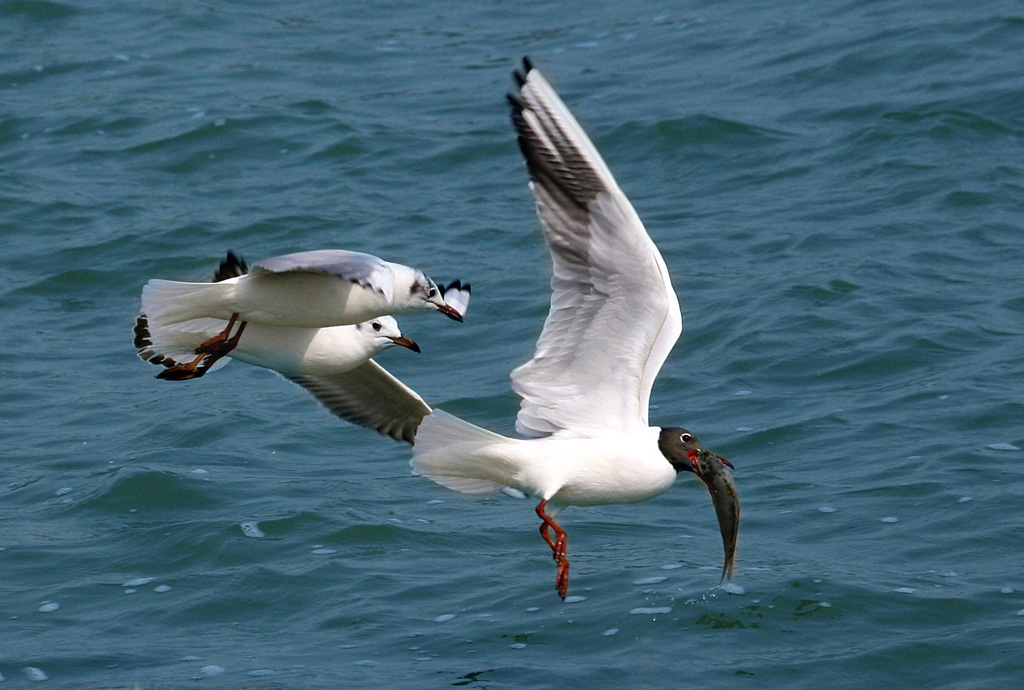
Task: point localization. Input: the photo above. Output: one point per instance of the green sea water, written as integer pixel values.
(837, 189)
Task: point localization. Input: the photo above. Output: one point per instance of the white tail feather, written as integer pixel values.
(447, 451)
(167, 301)
(175, 343)
(180, 340)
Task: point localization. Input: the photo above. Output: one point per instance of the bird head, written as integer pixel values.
(433, 298)
(683, 450)
(384, 330)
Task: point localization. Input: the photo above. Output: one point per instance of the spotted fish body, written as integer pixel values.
(726, 501)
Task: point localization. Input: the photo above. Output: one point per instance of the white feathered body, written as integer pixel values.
(290, 351)
(617, 467)
(307, 351)
(297, 299)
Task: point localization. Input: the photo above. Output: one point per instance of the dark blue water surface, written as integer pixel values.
(837, 189)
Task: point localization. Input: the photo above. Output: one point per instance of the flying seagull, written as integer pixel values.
(614, 318)
(334, 364)
(316, 289)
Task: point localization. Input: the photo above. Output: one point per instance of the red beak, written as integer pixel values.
(692, 456)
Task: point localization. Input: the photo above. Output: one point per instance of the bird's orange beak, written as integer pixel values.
(405, 342)
(693, 456)
(449, 311)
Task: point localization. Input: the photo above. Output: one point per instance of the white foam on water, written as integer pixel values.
(533, 609)
(191, 657)
(518, 645)
(574, 599)
(444, 618)
(1002, 446)
(33, 673)
(130, 591)
(323, 551)
(650, 580)
(672, 566)
(744, 428)
(650, 610)
(199, 470)
(64, 490)
(138, 582)
(212, 670)
(733, 588)
(261, 673)
(162, 588)
(1006, 590)
(743, 392)
(1021, 612)
(890, 519)
(367, 662)
(827, 509)
(49, 607)
(252, 529)
(905, 590)
(609, 632)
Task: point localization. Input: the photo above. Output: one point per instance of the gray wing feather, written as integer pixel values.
(364, 269)
(614, 316)
(371, 397)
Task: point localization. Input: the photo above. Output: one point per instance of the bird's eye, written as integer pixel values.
(686, 438)
(376, 325)
(432, 292)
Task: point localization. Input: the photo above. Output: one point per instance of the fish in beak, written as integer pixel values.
(713, 471)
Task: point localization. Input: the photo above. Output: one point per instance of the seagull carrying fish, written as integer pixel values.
(315, 289)
(334, 364)
(614, 318)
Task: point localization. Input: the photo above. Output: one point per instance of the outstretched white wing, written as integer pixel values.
(363, 269)
(614, 316)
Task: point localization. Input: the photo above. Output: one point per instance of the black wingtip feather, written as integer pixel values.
(142, 337)
(527, 64)
(231, 267)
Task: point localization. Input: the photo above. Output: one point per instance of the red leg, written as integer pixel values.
(218, 346)
(544, 527)
(559, 548)
(221, 344)
(183, 372)
(209, 352)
